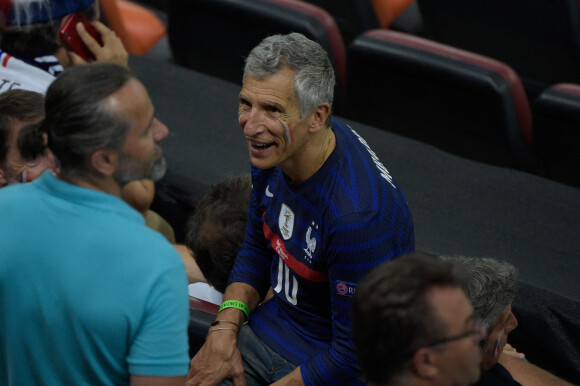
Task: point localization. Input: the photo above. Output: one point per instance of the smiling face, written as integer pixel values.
(497, 338)
(270, 118)
(141, 156)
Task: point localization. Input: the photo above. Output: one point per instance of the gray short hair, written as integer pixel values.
(314, 80)
(490, 286)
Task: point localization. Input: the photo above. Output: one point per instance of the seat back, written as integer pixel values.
(201, 314)
(215, 36)
(540, 39)
(138, 27)
(353, 17)
(556, 140)
(463, 103)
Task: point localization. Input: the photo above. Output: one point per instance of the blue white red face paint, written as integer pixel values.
(495, 348)
(285, 129)
(287, 136)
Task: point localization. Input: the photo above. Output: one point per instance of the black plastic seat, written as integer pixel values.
(463, 103)
(539, 39)
(353, 17)
(215, 36)
(201, 315)
(556, 139)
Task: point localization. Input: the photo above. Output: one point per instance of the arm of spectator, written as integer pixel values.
(510, 350)
(140, 380)
(219, 358)
(111, 51)
(194, 274)
(528, 374)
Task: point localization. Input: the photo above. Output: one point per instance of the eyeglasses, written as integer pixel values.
(478, 330)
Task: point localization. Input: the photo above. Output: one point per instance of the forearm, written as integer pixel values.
(194, 274)
(241, 292)
(219, 357)
(528, 374)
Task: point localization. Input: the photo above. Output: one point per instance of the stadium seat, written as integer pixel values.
(353, 17)
(461, 102)
(201, 314)
(556, 139)
(539, 39)
(138, 27)
(215, 36)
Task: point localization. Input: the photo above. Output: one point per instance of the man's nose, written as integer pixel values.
(512, 324)
(160, 130)
(251, 122)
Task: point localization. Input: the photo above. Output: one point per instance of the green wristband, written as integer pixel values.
(236, 304)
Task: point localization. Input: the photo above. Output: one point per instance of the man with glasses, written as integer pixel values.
(491, 286)
(413, 324)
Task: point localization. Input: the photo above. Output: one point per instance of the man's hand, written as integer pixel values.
(112, 50)
(218, 359)
(511, 351)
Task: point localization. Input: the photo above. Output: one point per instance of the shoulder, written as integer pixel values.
(355, 180)
(12, 196)
(17, 73)
(364, 159)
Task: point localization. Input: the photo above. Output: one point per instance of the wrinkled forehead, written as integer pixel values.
(279, 85)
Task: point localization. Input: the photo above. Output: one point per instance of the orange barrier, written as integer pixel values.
(138, 27)
(389, 10)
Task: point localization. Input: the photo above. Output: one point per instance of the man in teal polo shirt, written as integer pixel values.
(89, 294)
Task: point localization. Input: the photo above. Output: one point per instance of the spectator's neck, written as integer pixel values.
(101, 183)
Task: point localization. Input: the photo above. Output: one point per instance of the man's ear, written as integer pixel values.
(423, 364)
(105, 161)
(319, 116)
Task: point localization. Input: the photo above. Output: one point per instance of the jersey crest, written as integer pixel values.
(310, 242)
(286, 222)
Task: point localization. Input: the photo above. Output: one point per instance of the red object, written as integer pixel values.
(202, 305)
(72, 39)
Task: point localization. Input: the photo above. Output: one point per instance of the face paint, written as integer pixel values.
(495, 347)
(287, 136)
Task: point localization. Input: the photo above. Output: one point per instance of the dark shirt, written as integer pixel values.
(497, 375)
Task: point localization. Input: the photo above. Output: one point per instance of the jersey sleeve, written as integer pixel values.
(254, 260)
